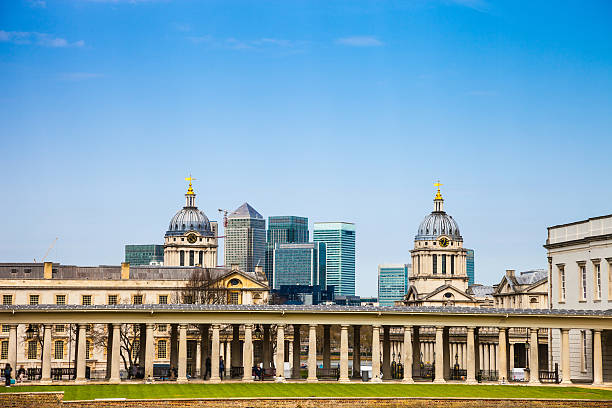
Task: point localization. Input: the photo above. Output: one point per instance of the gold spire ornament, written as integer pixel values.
(190, 179)
(438, 195)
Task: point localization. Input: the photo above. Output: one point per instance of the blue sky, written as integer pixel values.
(334, 110)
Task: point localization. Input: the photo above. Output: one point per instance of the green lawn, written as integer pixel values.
(230, 390)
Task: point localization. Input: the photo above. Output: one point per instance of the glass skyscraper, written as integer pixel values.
(469, 263)
(392, 283)
(283, 230)
(144, 254)
(245, 239)
(298, 264)
(339, 239)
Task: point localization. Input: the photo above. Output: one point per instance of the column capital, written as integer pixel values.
(407, 327)
(502, 329)
(48, 326)
(280, 325)
(248, 326)
(471, 328)
(376, 326)
(345, 326)
(183, 325)
(216, 326)
(150, 326)
(14, 326)
(597, 330)
(115, 325)
(440, 327)
(312, 325)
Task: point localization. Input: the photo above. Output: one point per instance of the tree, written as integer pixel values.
(203, 288)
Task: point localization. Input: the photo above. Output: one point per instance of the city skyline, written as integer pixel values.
(506, 103)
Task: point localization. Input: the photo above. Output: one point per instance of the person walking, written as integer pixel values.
(7, 374)
(221, 367)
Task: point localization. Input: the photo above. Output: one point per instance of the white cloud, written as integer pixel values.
(237, 44)
(360, 41)
(478, 5)
(42, 39)
(37, 3)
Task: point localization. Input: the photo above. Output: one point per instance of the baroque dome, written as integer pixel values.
(438, 223)
(189, 218)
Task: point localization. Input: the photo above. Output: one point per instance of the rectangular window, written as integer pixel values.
(138, 299)
(435, 264)
(112, 299)
(162, 327)
(597, 269)
(583, 282)
(561, 283)
(7, 299)
(163, 299)
(86, 300)
(161, 349)
(58, 351)
(6, 328)
(32, 350)
(443, 264)
(60, 299)
(34, 299)
(87, 349)
(60, 328)
(4, 350)
(233, 298)
(452, 262)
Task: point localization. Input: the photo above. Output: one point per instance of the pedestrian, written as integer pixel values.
(21, 374)
(7, 374)
(221, 367)
(207, 372)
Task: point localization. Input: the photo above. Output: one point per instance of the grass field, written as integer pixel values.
(238, 390)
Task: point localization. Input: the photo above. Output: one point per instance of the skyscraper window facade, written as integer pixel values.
(299, 264)
(144, 254)
(339, 239)
(469, 263)
(392, 283)
(245, 238)
(283, 230)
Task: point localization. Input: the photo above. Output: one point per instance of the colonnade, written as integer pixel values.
(444, 354)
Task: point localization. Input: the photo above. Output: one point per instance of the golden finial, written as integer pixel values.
(438, 195)
(190, 179)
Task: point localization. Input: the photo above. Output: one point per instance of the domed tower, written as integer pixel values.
(191, 239)
(438, 257)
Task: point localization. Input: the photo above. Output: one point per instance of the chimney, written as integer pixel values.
(235, 267)
(510, 273)
(125, 270)
(48, 270)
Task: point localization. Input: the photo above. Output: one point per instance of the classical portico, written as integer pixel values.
(408, 328)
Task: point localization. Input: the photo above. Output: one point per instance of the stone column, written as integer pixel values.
(280, 353)
(344, 351)
(376, 354)
(416, 348)
(565, 357)
(215, 355)
(247, 354)
(326, 346)
(142, 336)
(12, 347)
(173, 345)
(511, 358)
(534, 369)
(228, 350)
(597, 358)
(471, 356)
(182, 354)
(312, 353)
(81, 352)
(116, 354)
(266, 346)
(204, 352)
(502, 356)
(386, 354)
(149, 351)
(407, 354)
(295, 369)
(439, 360)
(46, 357)
(356, 351)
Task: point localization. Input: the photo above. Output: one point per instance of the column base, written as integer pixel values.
(566, 382)
(471, 382)
(439, 381)
(45, 382)
(181, 380)
(535, 383)
(280, 379)
(80, 381)
(247, 380)
(114, 380)
(344, 380)
(214, 380)
(312, 380)
(376, 380)
(407, 381)
(598, 384)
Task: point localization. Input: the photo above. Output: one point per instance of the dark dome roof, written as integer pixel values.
(189, 219)
(436, 224)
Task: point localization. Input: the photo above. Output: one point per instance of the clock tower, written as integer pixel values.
(191, 239)
(438, 257)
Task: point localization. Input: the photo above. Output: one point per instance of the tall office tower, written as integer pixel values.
(392, 283)
(339, 239)
(144, 254)
(245, 239)
(298, 264)
(469, 263)
(283, 230)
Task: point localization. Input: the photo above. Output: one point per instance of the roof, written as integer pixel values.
(245, 211)
(531, 277)
(481, 290)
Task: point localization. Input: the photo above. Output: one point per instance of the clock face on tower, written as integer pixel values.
(191, 238)
(444, 242)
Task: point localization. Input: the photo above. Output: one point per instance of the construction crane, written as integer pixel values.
(224, 212)
(48, 250)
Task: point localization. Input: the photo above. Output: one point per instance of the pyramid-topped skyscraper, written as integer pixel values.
(245, 239)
